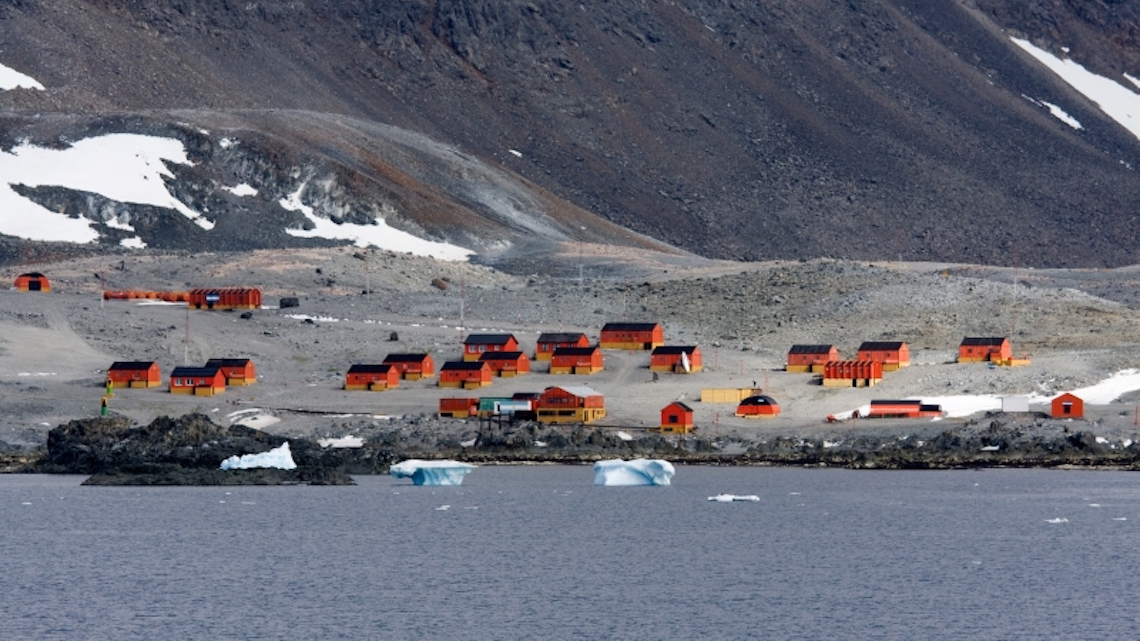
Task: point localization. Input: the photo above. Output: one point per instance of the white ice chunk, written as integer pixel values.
(342, 442)
(12, 79)
(636, 472)
(431, 472)
(279, 458)
(729, 498)
(243, 189)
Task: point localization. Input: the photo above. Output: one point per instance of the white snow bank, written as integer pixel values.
(241, 190)
(126, 168)
(636, 472)
(1114, 99)
(279, 458)
(1060, 114)
(12, 79)
(342, 442)
(1109, 389)
(431, 472)
(379, 234)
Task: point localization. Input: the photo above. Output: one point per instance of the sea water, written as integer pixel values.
(539, 552)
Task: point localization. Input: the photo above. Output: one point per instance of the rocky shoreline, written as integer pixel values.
(189, 450)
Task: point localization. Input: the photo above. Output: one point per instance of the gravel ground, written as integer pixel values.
(357, 306)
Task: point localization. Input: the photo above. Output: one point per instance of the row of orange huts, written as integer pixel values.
(208, 380)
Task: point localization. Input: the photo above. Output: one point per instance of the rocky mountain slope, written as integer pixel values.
(786, 129)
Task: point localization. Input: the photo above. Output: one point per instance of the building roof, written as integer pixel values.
(680, 405)
(525, 396)
(560, 337)
(630, 327)
(31, 275)
(811, 349)
(194, 371)
(907, 401)
(881, 345)
(574, 351)
(759, 399)
(121, 365)
(985, 341)
(453, 365)
(501, 356)
(581, 391)
(380, 368)
(489, 339)
(227, 362)
(405, 358)
(674, 349)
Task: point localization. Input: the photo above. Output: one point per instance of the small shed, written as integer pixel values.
(677, 417)
(225, 298)
(506, 364)
(199, 381)
(134, 374)
(894, 355)
(632, 336)
(852, 373)
(33, 282)
(577, 360)
(758, 406)
(550, 341)
(238, 371)
(475, 345)
(465, 374)
(979, 349)
(412, 367)
(458, 407)
(570, 404)
(1067, 405)
(810, 358)
(682, 359)
(373, 378)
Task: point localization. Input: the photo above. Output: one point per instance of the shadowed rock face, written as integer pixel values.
(861, 129)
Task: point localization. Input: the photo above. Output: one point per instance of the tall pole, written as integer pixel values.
(186, 339)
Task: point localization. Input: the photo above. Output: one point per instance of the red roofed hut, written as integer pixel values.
(373, 378)
(225, 298)
(852, 373)
(758, 406)
(238, 371)
(458, 407)
(894, 355)
(976, 350)
(570, 404)
(548, 342)
(199, 381)
(465, 374)
(33, 282)
(631, 336)
(676, 358)
(506, 364)
(1067, 406)
(810, 358)
(576, 360)
(475, 345)
(677, 417)
(412, 367)
(134, 374)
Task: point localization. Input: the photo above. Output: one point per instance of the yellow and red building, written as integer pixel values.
(199, 381)
(758, 406)
(1067, 405)
(412, 367)
(632, 336)
(225, 298)
(550, 341)
(894, 355)
(134, 374)
(475, 345)
(677, 417)
(506, 364)
(576, 360)
(32, 282)
(570, 404)
(238, 371)
(373, 378)
(465, 374)
(852, 373)
(810, 358)
(682, 359)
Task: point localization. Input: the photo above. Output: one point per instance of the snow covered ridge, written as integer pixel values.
(12, 79)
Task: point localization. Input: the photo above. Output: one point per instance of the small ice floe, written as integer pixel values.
(278, 458)
(991, 448)
(431, 472)
(635, 472)
(516, 153)
(1094, 504)
(730, 498)
(1102, 440)
(625, 436)
(342, 442)
(1120, 518)
(26, 503)
(1060, 520)
(443, 508)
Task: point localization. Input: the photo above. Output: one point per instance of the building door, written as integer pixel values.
(34, 285)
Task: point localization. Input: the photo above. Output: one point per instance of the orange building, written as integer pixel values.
(465, 374)
(412, 367)
(238, 371)
(134, 374)
(548, 342)
(199, 381)
(810, 358)
(852, 373)
(373, 378)
(676, 358)
(677, 417)
(475, 345)
(33, 282)
(225, 298)
(758, 406)
(570, 404)
(1067, 406)
(576, 360)
(458, 407)
(910, 408)
(631, 336)
(506, 364)
(975, 350)
(894, 355)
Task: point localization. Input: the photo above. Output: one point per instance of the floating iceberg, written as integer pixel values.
(729, 498)
(431, 472)
(636, 472)
(279, 457)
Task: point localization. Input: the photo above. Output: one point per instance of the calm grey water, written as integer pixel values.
(538, 552)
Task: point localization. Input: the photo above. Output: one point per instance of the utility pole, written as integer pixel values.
(186, 339)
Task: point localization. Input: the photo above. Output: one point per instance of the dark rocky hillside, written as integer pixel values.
(776, 129)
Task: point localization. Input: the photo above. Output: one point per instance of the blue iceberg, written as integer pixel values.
(279, 457)
(431, 472)
(636, 472)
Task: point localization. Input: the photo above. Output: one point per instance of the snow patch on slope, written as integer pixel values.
(12, 79)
